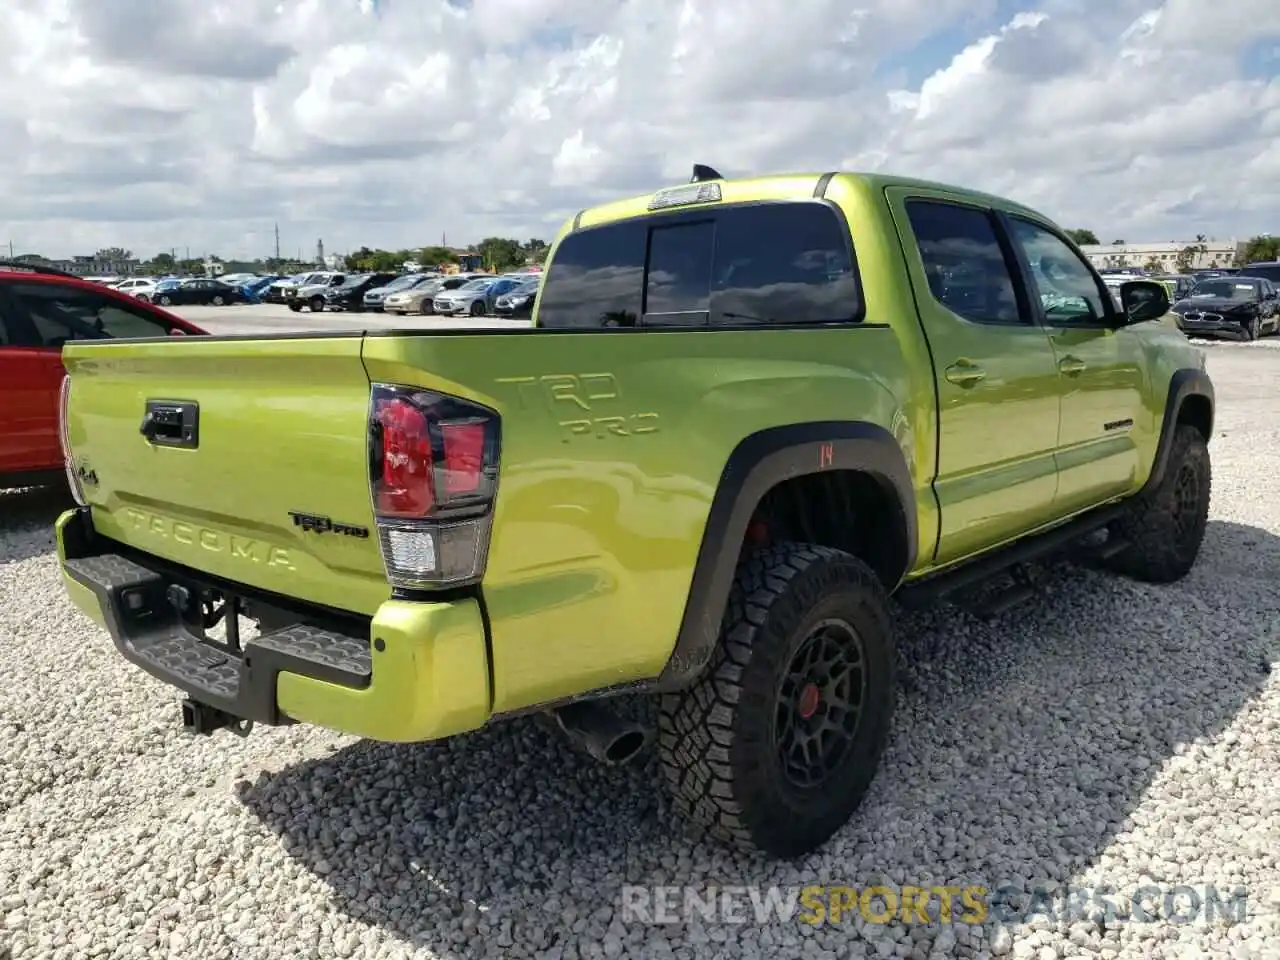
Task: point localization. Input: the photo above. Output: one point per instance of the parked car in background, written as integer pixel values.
(169, 283)
(311, 295)
(349, 295)
(274, 293)
(141, 287)
(1178, 284)
(475, 297)
(519, 301)
(1243, 308)
(278, 292)
(374, 297)
(1266, 269)
(41, 309)
(201, 292)
(418, 299)
(256, 289)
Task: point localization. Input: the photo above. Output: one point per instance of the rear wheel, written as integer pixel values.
(425, 308)
(144, 298)
(477, 308)
(317, 304)
(1165, 527)
(773, 748)
(219, 301)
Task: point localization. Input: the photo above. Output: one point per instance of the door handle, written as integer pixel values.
(965, 373)
(1071, 366)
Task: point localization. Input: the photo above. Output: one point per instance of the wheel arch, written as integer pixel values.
(759, 464)
(1191, 401)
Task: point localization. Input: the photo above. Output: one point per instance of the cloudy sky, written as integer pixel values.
(158, 124)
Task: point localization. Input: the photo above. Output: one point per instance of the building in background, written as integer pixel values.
(89, 266)
(1204, 254)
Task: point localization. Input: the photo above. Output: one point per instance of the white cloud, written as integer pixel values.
(202, 122)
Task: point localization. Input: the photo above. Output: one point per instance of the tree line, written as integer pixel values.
(496, 254)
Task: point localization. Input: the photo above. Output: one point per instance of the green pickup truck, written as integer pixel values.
(747, 412)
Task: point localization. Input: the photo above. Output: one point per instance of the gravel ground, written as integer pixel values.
(1107, 733)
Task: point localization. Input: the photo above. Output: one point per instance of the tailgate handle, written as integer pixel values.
(172, 423)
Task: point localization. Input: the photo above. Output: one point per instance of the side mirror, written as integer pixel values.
(1143, 300)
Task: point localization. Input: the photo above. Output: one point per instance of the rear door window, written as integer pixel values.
(968, 270)
(761, 264)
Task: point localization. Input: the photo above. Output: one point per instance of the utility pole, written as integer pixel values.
(10, 249)
(277, 241)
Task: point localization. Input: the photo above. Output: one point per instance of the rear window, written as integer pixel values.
(761, 264)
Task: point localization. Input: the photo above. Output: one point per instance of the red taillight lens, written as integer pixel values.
(405, 486)
(433, 467)
(463, 457)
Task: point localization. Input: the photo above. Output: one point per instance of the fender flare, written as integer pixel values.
(758, 463)
(1186, 382)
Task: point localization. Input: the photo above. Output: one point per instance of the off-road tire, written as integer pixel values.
(1165, 526)
(718, 740)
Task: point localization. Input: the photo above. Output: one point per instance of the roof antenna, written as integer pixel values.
(702, 172)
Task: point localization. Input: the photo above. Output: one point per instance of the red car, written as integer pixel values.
(41, 309)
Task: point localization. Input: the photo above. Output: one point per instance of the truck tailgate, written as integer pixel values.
(276, 459)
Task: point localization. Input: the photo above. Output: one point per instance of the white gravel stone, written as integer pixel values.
(1105, 733)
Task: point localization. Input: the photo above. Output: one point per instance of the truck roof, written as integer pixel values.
(791, 185)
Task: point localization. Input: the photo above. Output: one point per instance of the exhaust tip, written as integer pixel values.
(600, 732)
(625, 747)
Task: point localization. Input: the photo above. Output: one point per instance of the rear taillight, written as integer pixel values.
(64, 441)
(433, 470)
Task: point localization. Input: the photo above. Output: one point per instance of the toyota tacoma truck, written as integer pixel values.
(746, 413)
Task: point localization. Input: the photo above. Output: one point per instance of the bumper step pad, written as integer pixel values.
(149, 632)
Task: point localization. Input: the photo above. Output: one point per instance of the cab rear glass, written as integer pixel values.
(741, 265)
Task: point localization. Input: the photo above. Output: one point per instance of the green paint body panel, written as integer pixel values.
(430, 679)
(613, 447)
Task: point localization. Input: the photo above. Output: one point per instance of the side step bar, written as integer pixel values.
(936, 586)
